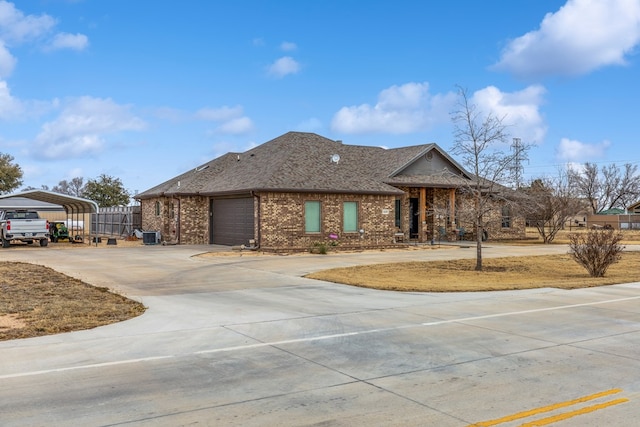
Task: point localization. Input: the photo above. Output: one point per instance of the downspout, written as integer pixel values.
(259, 234)
(178, 224)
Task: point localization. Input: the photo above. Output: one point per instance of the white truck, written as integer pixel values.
(22, 225)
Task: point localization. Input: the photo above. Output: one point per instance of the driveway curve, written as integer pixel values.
(246, 340)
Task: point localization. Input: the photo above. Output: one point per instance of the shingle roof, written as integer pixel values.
(299, 162)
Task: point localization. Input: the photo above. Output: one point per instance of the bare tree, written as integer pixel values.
(608, 187)
(479, 140)
(596, 250)
(550, 203)
(42, 187)
(74, 187)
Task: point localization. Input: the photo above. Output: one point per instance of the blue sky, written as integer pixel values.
(145, 90)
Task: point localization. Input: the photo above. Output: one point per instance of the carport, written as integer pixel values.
(76, 208)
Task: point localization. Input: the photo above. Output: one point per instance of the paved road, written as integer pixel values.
(247, 341)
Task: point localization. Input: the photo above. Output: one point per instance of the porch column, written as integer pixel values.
(452, 206)
(422, 203)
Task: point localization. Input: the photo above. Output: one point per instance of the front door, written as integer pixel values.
(414, 217)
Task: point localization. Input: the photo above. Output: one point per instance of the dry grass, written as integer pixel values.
(629, 237)
(36, 301)
(499, 274)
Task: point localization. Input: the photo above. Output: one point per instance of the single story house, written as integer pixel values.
(301, 188)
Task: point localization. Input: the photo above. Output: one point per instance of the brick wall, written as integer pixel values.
(193, 212)
(283, 220)
(152, 220)
(194, 223)
(282, 225)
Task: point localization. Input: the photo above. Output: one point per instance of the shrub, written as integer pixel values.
(596, 250)
(322, 247)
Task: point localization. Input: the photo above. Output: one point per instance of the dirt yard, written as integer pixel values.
(36, 300)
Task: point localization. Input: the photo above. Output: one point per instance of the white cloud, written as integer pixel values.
(170, 114)
(575, 151)
(580, 37)
(7, 61)
(231, 119)
(74, 173)
(68, 41)
(81, 127)
(284, 66)
(219, 114)
(520, 110)
(238, 126)
(16, 27)
(400, 109)
(288, 46)
(10, 107)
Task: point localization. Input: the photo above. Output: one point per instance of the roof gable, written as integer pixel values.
(431, 161)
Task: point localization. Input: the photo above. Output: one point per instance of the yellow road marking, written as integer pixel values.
(566, 415)
(543, 409)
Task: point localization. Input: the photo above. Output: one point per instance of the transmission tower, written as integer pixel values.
(519, 156)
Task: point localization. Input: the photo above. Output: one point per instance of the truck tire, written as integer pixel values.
(5, 243)
(44, 242)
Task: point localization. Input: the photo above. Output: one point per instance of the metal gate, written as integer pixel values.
(232, 221)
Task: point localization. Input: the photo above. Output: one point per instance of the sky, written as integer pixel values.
(146, 90)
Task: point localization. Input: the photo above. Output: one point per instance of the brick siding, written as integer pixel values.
(281, 225)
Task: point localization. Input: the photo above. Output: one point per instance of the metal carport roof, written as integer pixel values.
(71, 204)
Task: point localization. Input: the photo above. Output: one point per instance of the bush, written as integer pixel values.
(596, 250)
(319, 248)
(322, 247)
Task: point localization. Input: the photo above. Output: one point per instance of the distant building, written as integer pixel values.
(617, 219)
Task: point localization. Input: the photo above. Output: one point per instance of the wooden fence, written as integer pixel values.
(116, 221)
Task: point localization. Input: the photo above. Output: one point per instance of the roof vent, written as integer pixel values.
(335, 158)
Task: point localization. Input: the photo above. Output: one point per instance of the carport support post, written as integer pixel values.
(96, 228)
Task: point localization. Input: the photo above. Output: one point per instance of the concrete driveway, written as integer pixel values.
(230, 340)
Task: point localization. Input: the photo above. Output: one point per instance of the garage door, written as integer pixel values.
(231, 221)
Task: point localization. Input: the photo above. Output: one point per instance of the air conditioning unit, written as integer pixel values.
(151, 237)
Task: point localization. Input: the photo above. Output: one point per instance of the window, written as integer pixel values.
(506, 216)
(157, 208)
(398, 213)
(350, 217)
(312, 216)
